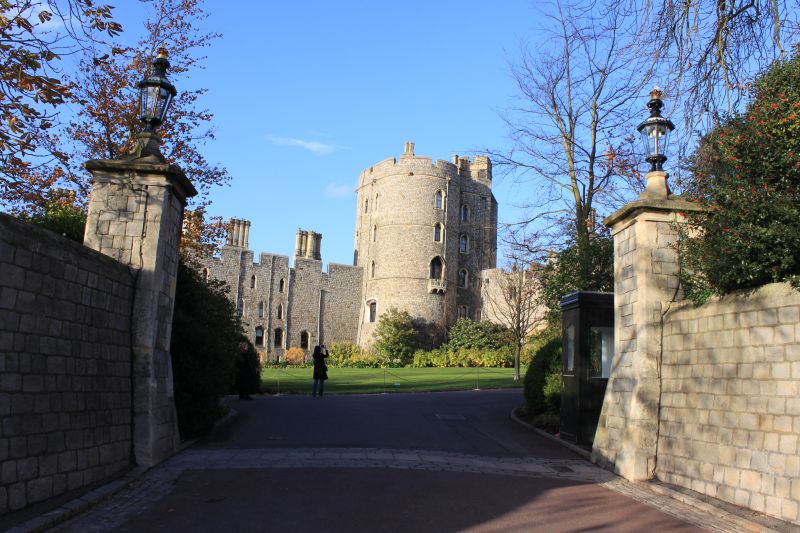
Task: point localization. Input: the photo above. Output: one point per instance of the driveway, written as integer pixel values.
(435, 462)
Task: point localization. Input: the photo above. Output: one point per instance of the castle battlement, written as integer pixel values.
(478, 168)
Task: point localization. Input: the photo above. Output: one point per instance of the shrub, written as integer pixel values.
(548, 421)
(746, 175)
(444, 358)
(204, 347)
(294, 356)
(395, 337)
(553, 385)
(340, 353)
(467, 333)
(61, 215)
(545, 362)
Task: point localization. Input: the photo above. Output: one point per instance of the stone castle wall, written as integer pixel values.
(730, 407)
(292, 301)
(65, 369)
(262, 302)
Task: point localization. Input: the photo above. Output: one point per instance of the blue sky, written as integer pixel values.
(306, 94)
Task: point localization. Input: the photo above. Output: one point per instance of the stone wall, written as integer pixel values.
(705, 397)
(65, 365)
(341, 301)
(272, 296)
(730, 406)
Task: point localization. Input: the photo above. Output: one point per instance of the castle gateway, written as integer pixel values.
(424, 234)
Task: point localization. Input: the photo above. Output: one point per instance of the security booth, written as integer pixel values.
(588, 322)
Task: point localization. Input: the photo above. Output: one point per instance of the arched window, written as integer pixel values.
(259, 336)
(372, 309)
(465, 213)
(240, 308)
(436, 268)
(374, 233)
(278, 337)
(253, 282)
(366, 206)
(372, 269)
(281, 285)
(376, 202)
(463, 278)
(463, 244)
(260, 309)
(437, 232)
(304, 340)
(280, 311)
(205, 275)
(463, 311)
(438, 200)
(477, 315)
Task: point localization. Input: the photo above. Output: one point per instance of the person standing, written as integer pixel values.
(320, 369)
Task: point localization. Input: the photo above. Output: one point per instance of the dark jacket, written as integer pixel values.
(320, 369)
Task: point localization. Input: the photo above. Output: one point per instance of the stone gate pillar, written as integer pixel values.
(135, 216)
(645, 281)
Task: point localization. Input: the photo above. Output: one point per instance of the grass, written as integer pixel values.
(391, 380)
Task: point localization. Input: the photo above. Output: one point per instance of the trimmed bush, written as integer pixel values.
(541, 392)
(443, 358)
(396, 338)
(205, 344)
(467, 334)
(340, 353)
(294, 356)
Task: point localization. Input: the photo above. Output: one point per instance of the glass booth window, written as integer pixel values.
(569, 347)
(601, 351)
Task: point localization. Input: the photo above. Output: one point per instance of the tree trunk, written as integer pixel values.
(516, 361)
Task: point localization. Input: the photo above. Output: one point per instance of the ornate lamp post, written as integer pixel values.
(155, 96)
(655, 131)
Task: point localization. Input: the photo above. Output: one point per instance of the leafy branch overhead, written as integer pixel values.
(34, 37)
(746, 177)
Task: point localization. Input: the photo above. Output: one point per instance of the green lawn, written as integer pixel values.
(390, 380)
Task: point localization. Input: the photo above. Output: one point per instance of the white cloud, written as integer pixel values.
(334, 190)
(315, 147)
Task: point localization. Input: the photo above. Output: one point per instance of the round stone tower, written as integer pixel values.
(424, 231)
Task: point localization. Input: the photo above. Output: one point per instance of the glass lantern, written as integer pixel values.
(156, 93)
(655, 132)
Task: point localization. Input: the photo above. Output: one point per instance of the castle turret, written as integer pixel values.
(424, 231)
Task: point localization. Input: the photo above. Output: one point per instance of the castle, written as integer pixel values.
(424, 234)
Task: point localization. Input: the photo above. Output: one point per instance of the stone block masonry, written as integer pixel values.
(730, 405)
(65, 366)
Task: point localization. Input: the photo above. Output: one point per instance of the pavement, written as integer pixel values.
(438, 462)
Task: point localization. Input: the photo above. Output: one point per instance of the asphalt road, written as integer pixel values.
(466, 422)
(318, 496)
